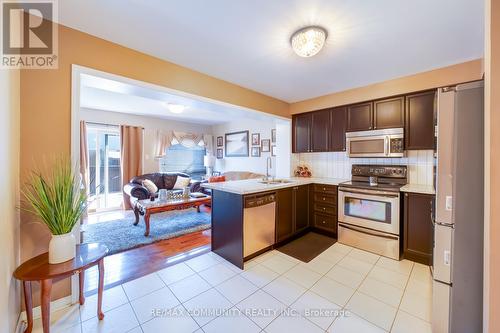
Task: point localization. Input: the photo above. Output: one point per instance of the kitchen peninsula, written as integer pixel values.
(250, 217)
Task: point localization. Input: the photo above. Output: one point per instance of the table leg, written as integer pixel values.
(82, 285)
(29, 305)
(45, 304)
(197, 208)
(146, 221)
(100, 289)
(136, 213)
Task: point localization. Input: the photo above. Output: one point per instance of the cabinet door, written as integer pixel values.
(419, 121)
(338, 127)
(301, 200)
(302, 133)
(418, 231)
(320, 131)
(389, 113)
(360, 117)
(284, 214)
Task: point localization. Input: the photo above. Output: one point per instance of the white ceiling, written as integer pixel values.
(111, 95)
(247, 42)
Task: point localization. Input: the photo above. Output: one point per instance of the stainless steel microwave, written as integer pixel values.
(376, 143)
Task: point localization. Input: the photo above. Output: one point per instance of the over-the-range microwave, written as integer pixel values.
(376, 143)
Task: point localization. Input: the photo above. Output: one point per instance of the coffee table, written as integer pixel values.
(147, 207)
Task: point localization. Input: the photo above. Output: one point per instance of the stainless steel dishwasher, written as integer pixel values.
(258, 222)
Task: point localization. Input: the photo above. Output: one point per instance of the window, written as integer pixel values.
(179, 158)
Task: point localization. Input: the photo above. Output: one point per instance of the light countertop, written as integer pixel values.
(249, 186)
(415, 188)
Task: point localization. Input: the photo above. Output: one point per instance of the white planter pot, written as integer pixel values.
(62, 248)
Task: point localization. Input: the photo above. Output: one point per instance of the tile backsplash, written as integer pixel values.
(420, 164)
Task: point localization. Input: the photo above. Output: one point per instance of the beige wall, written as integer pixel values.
(464, 72)
(46, 108)
(492, 155)
(9, 198)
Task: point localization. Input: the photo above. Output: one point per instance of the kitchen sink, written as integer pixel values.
(275, 181)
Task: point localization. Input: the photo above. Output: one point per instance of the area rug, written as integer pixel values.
(121, 234)
(307, 247)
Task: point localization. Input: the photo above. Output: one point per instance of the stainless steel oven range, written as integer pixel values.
(369, 209)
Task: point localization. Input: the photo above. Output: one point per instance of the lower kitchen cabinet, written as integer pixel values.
(324, 208)
(418, 230)
(292, 211)
(284, 214)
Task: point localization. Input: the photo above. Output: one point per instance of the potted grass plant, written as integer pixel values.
(58, 200)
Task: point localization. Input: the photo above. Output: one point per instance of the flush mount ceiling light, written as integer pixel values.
(308, 41)
(176, 108)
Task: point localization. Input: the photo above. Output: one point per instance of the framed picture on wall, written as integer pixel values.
(266, 146)
(220, 153)
(255, 151)
(273, 151)
(273, 135)
(237, 144)
(255, 139)
(220, 141)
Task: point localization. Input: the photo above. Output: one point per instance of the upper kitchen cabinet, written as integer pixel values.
(389, 113)
(320, 131)
(419, 121)
(302, 133)
(338, 127)
(359, 117)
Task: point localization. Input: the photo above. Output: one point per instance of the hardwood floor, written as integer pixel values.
(132, 264)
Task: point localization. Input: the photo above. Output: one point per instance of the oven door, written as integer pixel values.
(376, 210)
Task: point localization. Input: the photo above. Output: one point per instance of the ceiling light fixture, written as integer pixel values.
(308, 41)
(176, 108)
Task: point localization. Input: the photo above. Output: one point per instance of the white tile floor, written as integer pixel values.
(342, 290)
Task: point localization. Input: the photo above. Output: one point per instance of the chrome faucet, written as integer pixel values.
(269, 164)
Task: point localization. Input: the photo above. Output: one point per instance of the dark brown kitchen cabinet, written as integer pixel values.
(389, 113)
(324, 208)
(338, 127)
(418, 230)
(302, 133)
(320, 131)
(360, 117)
(419, 121)
(284, 214)
(292, 212)
(301, 198)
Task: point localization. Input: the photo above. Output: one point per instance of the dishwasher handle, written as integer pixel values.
(259, 200)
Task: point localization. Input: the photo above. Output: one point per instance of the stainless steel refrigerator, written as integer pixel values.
(458, 211)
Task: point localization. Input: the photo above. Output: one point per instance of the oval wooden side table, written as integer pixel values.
(39, 269)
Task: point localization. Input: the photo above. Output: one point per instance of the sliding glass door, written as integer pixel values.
(104, 167)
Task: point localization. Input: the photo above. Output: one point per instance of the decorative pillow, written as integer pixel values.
(181, 183)
(151, 187)
(217, 179)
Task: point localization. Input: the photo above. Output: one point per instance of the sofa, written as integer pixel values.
(136, 191)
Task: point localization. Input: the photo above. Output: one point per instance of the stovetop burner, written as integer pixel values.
(387, 177)
(366, 185)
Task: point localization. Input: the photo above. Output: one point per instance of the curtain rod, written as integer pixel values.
(108, 125)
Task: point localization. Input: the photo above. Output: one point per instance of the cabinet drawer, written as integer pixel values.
(325, 209)
(327, 189)
(325, 198)
(325, 221)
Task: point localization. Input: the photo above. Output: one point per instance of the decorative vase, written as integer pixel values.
(62, 248)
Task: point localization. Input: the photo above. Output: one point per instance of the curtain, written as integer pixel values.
(84, 156)
(209, 144)
(131, 156)
(163, 142)
(187, 139)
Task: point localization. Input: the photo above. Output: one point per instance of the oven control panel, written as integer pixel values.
(389, 171)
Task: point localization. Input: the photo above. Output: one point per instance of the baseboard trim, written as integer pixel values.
(56, 305)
